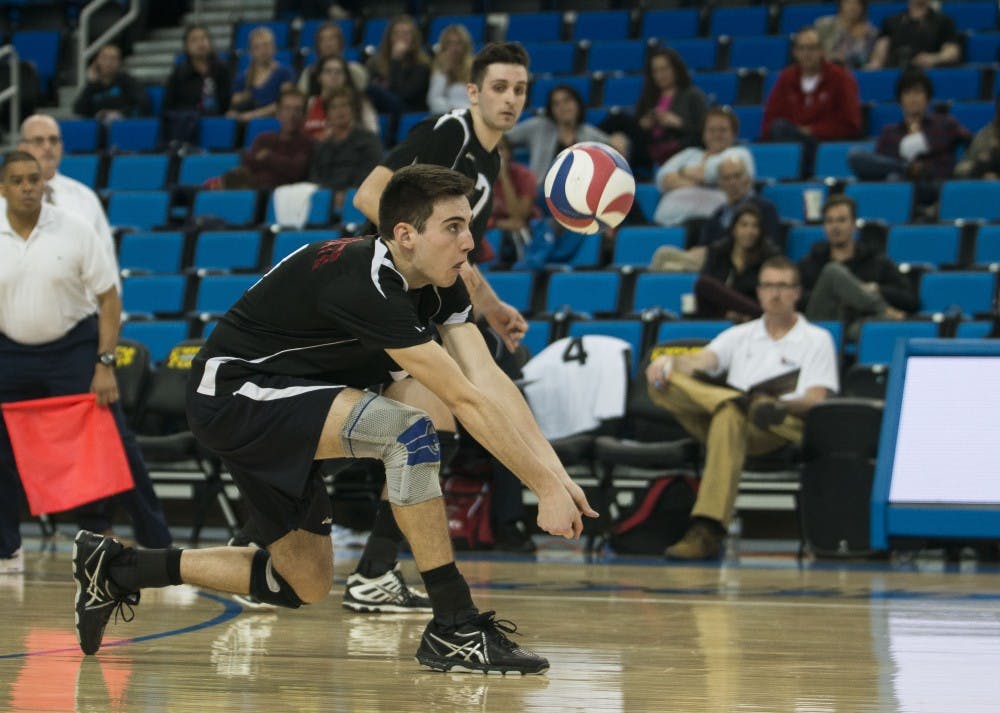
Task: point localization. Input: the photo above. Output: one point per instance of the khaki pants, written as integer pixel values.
(709, 414)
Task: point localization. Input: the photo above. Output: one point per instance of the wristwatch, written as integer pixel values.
(107, 358)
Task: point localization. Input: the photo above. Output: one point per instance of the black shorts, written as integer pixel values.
(267, 435)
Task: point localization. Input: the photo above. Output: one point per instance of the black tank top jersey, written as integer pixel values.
(327, 312)
(448, 140)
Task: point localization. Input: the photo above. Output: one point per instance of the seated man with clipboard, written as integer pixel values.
(778, 367)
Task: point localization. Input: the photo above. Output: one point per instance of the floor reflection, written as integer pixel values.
(238, 651)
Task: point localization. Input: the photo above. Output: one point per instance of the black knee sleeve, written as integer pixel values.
(269, 586)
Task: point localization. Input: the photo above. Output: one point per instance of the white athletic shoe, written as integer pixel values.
(388, 593)
(14, 564)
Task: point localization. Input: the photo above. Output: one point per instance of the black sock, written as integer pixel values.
(382, 549)
(139, 569)
(449, 594)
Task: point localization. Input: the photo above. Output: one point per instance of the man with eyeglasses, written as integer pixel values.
(777, 367)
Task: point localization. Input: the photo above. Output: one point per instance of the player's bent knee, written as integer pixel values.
(404, 439)
(270, 587)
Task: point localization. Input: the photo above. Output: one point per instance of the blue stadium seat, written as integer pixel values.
(588, 253)
(217, 133)
(159, 336)
(40, 47)
(622, 91)
(154, 94)
(669, 24)
(836, 330)
(831, 157)
(616, 56)
(319, 208)
(514, 288)
(768, 51)
(79, 135)
(601, 25)
(408, 121)
(789, 197)
(217, 293)
(227, 250)
(142, 210)
(973, 115)
(697, 53)
(158, 253)
(647, 195)
(134, 135)
(552, 57)
(475, 24)
(138, 172)
(349, 215)
(595, 115)
(750, 118)
(975, 15)
(988, 245)
(800, 240)
(628, 330)
(663, 290)
(971, 200)
(153, 294)
(289, 241)
(243, 30)
(588, 292)
(891, 202)
(972, 292)
(878, 11)
(198, 168)
(777, 161)
(795, 17)
(234, 207)
(82, 167)
(935, 245)
(538, 336)
(720, 87)
(738, 21)
(540, 89)
(882, 115)
(528, 27)
(877, 341)
(307, 35)
(691, 329)
(955, 83)
(259, 126)
(973, 330)
(983, 48)
(877, 85)
(374, 29)
(635, 245)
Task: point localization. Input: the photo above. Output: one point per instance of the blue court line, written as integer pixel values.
(231, 610)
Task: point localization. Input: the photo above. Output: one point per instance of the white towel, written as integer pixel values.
(292, 203)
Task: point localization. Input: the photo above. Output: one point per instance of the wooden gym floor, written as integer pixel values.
(755, 633)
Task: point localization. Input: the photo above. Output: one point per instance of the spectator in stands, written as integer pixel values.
(200, 85)
(450, 72)
(813, 100)
(782, 348)
(920, 147)
(111, 92)
(727, 285)
(982, 160)
(276, 158)
(514, 204)
(689, 179)
(670, 111)
(920, 35)
(256, 90)
(847, 37)
(400, 69)
(349, 152)
(335, 75)
(847, 280)
(560, 127)
(329, 42)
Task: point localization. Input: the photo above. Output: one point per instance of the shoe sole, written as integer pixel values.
(362, 608)
(76, 601)
(446, 666)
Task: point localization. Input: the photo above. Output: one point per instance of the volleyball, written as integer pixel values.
(589, 187)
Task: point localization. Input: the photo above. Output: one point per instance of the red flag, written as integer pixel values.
(68, 451)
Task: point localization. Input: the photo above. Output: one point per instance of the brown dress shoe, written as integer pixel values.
(700, 542)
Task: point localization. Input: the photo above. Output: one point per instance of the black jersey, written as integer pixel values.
(449, 140)
(328, 312)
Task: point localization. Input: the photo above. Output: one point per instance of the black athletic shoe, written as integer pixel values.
(478, 646)
(96, 597)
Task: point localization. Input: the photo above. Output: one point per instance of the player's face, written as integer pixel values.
(22, 186)
(777, 291)
(501, 100)
(444, 245)
(41, 138)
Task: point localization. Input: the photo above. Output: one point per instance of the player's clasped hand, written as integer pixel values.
(559, 512)
(508, 323)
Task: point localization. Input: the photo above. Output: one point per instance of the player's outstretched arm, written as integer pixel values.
(431, 365)
(502, 317)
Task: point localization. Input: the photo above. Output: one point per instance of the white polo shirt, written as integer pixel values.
(751, 356)
(69, 194)
(48, 282)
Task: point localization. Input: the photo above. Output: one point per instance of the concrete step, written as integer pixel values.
(152, 74)
(144, 47)
(150, 59)
(176, 34)
(232, 16)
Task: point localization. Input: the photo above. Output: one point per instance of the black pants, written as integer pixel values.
(66, 366)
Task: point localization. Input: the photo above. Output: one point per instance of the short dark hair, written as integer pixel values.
(914, 78)
(16, 157)
(841, 199)
(781, 262)
(574, 95)
(290, 90)
(497, 53)
(413, 191)
(351, 94)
